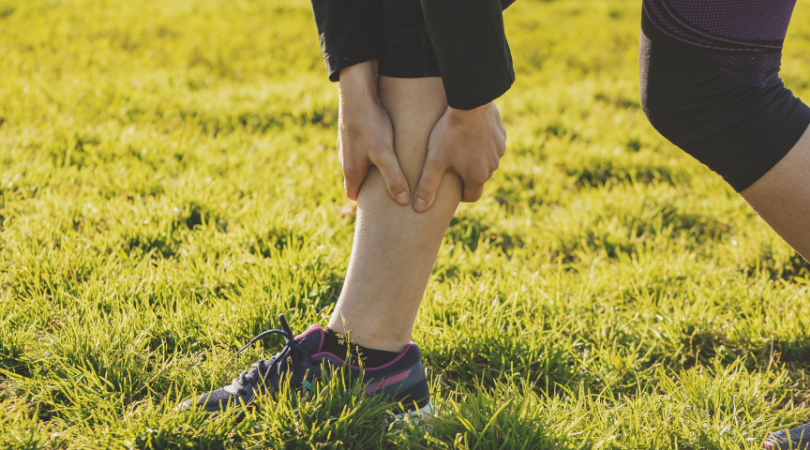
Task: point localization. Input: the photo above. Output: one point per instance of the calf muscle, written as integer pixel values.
(394, 246)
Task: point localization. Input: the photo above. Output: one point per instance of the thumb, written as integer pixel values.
(428, 185)
(395, 180)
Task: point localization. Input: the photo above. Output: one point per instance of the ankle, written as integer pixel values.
(387, 339)
(370, 356)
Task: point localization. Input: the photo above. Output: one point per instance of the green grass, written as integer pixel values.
(169, 183)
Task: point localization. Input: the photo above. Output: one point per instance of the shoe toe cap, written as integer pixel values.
(215, 401)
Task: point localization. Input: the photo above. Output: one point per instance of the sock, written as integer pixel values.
(337, 344)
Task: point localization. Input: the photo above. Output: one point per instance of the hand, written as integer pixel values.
(366, 135)
(469, 143)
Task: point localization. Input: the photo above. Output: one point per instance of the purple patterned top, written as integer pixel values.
(742, 25)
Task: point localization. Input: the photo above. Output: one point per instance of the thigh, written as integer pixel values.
(732, 25)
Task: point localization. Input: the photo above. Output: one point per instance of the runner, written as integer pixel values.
(397, 136)
(709, 83)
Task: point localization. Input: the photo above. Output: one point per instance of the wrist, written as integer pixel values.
(467, 115)
(359, 82)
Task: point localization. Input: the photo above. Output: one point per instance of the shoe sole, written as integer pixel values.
(420, 417)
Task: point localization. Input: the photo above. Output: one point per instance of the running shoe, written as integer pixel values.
(301, 361)
(794, 439)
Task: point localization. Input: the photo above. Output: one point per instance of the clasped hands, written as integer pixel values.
(469, 143)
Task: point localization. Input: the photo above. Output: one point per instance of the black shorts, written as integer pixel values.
(728, 108)
(408, 52)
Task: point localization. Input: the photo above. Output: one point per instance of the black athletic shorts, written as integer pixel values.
(407, 52)
(728, 108)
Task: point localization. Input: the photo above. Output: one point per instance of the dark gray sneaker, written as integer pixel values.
(794, 439)
(302, 361)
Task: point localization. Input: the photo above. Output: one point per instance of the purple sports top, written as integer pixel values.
(735, 25)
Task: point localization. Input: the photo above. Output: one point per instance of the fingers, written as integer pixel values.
(472, 193)
(501, 148)
(355, 173)
(474, 181)
(353, 176)
(428, 185)
(394, 178)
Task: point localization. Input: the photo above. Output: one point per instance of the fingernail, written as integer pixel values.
(403, 197)
(419, 204)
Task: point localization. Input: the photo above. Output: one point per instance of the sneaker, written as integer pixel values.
(401, 380)
(794, 439)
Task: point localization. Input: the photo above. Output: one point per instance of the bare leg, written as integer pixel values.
(782, 196)
(394, 246)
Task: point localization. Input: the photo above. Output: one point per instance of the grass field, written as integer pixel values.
(169, 183)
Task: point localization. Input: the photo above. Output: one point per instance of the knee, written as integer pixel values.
(695, 108)
(666, 89)
(689, 93)
(682, 91)
(728, 109)
(673, 105)
(660, 109)
(738, 123)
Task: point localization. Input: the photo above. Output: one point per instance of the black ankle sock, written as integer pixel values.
(337, 344)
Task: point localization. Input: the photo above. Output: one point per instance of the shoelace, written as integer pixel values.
(289, 356)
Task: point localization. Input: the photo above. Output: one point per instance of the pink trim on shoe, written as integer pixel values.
(401, 354)
(387, 381)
